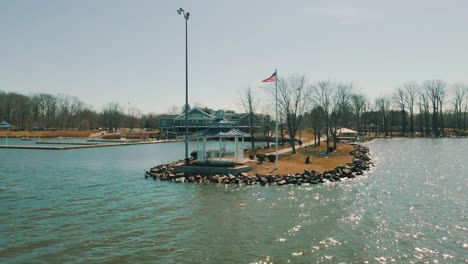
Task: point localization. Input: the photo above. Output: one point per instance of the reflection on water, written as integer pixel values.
(93, 205)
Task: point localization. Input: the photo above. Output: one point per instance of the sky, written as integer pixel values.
(133, 52)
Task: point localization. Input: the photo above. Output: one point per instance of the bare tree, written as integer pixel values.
(465, 112)
(281, 129)
(174, 110)
(14, 108)
(63, 105)
(435, 91)
(411, 90)
(112, 115)
(400, 97)
(459, 92)
(334, 101)
(268, 128)
(342, 104)
(314, 120)
(250, 105)
(135, 115)
(292, 92)
(441, 110)
(383, 106)
(76, 107)
(322, 95)
(424, 111)
(331, 99)
(359, 104)
(51, 109)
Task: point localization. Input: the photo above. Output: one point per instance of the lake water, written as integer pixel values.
(94, 205)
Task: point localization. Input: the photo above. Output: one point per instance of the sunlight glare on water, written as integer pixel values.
(93, 205)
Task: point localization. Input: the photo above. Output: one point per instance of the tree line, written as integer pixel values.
(432, 108)
(48, 112)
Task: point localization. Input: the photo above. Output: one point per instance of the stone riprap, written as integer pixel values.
(361, 163)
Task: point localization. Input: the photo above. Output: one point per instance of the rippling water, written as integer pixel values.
(93, 205)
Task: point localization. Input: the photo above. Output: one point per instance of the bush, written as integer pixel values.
(194, 154)
(261, 157)
(272, 157)
(252, 154)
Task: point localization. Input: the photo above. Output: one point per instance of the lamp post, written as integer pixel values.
(186, 16)
(129, 119)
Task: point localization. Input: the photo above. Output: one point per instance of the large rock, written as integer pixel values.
(180, 180)
(270, 178)
(346, 171)
(215, 178)
(282, 182)
(221, 179)
(262, 180)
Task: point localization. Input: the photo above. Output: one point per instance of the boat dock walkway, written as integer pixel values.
(65, 146)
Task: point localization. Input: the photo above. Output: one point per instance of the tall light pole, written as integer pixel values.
(130, 120)
(186, 16)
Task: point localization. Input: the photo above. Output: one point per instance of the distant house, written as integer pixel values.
(198, 120)
(244, 122)
(166, 123)
(347, 135)
(4, 125)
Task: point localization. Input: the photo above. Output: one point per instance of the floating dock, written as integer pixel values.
(65, 146)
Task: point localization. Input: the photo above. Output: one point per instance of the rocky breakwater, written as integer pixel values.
(361, 163)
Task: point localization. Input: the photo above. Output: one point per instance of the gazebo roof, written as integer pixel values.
(346, 131)
(216, 132)
(5, 124)
(222, 123)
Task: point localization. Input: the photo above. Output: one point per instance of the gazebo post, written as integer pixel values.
(236, 150)
(220, 146)
(204, 148)
(198, 147)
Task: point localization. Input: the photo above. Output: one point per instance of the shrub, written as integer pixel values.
(252, 154)
(194, 154)
(272, 157)
(261, 157)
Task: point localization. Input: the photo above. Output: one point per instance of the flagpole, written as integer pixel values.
(276, 110)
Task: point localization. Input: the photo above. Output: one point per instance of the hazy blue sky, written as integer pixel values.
(121, 51)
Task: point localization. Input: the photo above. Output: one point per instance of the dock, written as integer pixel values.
(65, 146)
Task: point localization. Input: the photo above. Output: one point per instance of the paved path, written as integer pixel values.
(286, 150)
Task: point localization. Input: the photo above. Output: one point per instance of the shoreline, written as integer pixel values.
(360, 163)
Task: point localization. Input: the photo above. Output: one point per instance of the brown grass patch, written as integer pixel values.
(295, 163)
